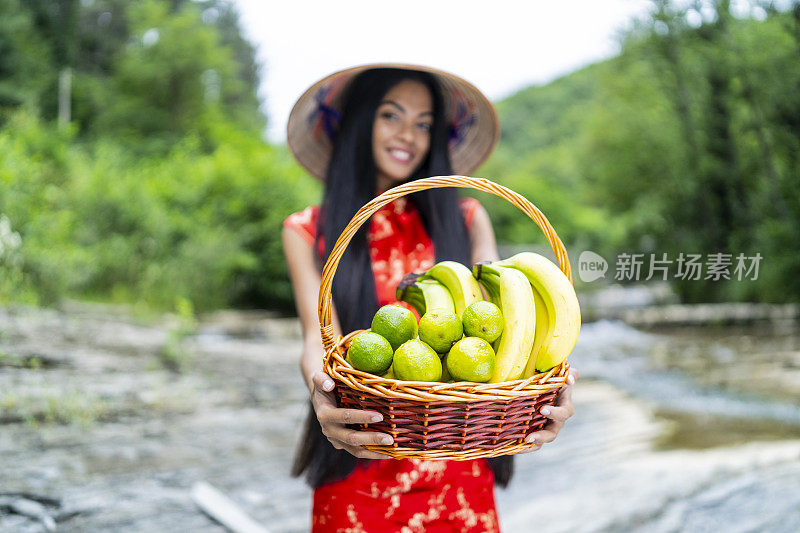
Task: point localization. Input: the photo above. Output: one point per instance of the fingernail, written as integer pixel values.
(327, 384)
(545, 411)
(377, 418)
(387, 440)
(530, 440)
(571, 380)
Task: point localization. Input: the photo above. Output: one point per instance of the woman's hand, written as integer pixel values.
(558, 415)
(333, 420)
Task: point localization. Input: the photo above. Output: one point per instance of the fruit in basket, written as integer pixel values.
(471, 359)
(395, 323)
(458, 280)
(425, 295)
(562, 308)
(440, 330)
(416, 361)
(369, 352)
(511, 291)
(484, 320)
(542, 329)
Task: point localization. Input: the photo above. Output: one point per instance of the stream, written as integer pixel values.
(113, 419)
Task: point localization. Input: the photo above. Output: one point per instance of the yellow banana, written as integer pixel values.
(515, 298)
(542, 332)
(459, 281)
(426, 295)
(563, 310)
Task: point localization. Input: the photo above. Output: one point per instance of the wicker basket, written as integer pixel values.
(433, 420)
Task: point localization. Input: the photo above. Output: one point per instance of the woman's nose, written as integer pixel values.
(407, 133)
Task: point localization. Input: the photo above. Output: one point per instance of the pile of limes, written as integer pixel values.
(441, 347)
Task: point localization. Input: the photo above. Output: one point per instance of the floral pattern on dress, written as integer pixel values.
(397, 239)
(409, 496)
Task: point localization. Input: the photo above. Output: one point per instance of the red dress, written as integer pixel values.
(406, 495)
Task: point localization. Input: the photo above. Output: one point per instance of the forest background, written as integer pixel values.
(158, 189)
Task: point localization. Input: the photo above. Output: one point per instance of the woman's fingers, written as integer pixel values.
(330, 414)
(531, 449)
(334, 420)
(322, 381)
(361, 438)
(558, 415)
(542, 436)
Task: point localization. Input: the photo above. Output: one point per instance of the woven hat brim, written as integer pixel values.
(477, 133)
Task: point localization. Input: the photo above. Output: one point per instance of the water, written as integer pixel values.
(681, 430)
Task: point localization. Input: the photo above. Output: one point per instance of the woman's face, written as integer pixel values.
(401, 134)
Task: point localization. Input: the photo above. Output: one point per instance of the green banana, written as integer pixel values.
(515, 298)
(563, 310)
(459, 281)
(425, 295)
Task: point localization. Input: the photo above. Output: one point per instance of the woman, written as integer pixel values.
(363, 131)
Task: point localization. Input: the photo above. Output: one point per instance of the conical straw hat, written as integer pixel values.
(313, 122)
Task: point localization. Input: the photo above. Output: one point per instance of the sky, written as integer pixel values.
(501, 46)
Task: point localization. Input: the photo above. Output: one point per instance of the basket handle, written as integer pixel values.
(436, 182)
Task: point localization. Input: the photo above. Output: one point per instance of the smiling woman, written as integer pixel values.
(363, 131)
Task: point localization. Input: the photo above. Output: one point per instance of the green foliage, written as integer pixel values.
(97, 221)
(688, 141)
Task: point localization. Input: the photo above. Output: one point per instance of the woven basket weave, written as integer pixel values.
(433, 420)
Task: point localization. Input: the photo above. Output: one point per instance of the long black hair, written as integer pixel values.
(350, 183)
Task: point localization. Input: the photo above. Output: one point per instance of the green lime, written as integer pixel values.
(395, 323)
(370, 352)
(416, 361)
(483, 320)
(440, 330)
(471, 359)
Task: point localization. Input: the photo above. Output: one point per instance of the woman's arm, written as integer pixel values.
(481, 237)
(305, 282)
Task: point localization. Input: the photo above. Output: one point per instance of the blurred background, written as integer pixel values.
(147, 337)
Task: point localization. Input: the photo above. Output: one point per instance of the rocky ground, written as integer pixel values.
(114, 419)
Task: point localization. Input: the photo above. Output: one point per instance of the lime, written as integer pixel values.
(483, 320)
(370, 352)
(440, 330)
(416, 361)
(395, 323)
(471, 359)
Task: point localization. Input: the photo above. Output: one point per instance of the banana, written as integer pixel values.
(514, 296)
(541, 333)
(425, 295)
(459, 281)
(563, 311)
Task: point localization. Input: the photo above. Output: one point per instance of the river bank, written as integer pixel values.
(96, 413)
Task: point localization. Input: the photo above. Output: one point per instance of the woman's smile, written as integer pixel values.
(401, 155)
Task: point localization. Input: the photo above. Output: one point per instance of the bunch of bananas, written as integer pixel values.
(538, 304)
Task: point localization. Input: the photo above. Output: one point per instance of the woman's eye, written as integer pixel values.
(388, 115)
(424, 126)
